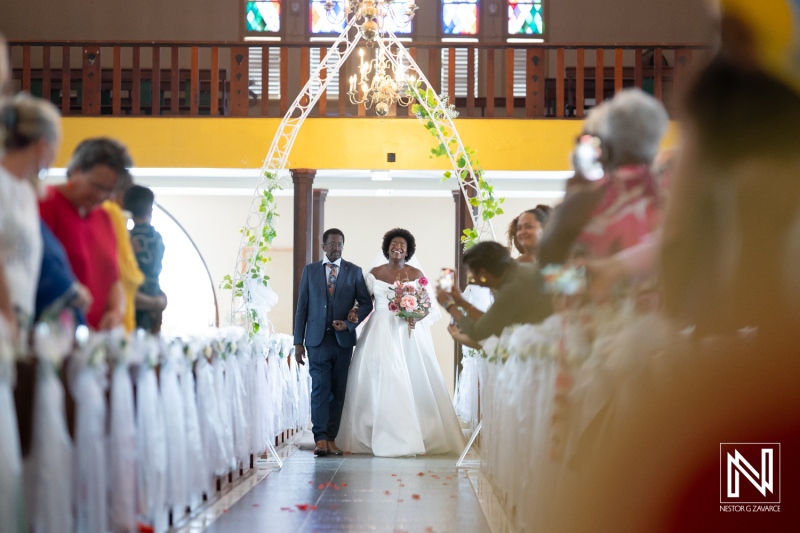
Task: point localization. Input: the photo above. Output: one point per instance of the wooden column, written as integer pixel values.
(463, 221)
(303, 179)
(319, 223)
(90, 104)
(534, 84)
(238, 99)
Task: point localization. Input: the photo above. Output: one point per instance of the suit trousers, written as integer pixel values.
(328, 366)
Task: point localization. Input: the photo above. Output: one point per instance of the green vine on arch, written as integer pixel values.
(261, 244)
(489, 206)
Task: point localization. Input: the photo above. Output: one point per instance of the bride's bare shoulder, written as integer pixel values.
(414, 273)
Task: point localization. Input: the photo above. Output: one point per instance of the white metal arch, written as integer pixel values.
(274, 168)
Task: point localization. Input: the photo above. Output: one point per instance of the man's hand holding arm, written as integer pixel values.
(364, 300)
(300, 319)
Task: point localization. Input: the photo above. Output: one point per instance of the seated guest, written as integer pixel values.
(30, 133)
(129, 274)
(518, 298)
(149, 248)
(72, 212)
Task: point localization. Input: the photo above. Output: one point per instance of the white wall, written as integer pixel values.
(213, 222)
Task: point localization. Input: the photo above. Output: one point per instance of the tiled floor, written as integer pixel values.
(358, 493)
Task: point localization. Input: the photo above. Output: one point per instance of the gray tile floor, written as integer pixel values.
(358, 493)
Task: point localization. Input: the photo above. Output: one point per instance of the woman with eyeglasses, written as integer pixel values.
(72, 211)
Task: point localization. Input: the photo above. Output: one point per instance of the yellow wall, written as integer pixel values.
(329, 143)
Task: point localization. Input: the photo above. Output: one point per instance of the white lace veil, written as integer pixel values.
(381, 259)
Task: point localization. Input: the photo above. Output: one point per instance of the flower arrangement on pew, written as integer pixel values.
(212, 406)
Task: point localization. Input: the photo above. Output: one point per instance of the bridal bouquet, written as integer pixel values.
(411, 300)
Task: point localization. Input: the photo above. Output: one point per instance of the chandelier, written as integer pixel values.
(383, 90)
(370, 14)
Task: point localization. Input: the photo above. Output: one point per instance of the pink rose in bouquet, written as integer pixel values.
(423, 281)
(408, 302)
(393, 307)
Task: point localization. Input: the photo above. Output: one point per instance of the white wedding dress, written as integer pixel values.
(397, 402)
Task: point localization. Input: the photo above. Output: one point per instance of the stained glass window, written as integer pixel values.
(263, 16)
(525, 17)
(460, 17)
(321, 23)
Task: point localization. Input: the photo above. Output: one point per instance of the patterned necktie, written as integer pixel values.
(331, 278)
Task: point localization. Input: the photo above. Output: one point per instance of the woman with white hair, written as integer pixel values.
(618, 204)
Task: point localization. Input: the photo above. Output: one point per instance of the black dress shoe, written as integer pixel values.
(321, 448)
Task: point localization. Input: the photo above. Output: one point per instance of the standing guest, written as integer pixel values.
(525, 231)
(523, 234)
(518, 296)
(72, 212)
(149, 247)
(623, 206)
(30, 134)
(129, 273)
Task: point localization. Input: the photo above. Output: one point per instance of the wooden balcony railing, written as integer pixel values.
(213, 78)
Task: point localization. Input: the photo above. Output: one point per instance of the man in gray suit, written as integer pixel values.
(328, 289)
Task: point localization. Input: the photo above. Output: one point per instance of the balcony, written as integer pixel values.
(239, 79)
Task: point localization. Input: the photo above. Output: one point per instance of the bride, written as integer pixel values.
(397, 402)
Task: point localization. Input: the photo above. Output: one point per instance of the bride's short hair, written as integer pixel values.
(411, 243)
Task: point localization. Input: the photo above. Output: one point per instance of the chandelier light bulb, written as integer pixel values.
(369, 15)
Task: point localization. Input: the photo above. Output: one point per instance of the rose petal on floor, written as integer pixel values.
(415, 496)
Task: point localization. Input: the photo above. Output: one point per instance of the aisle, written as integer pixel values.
(358, 493)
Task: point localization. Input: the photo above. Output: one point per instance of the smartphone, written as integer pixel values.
(447, 279)
(586, 157)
